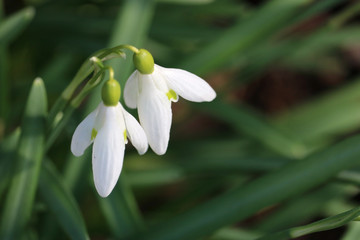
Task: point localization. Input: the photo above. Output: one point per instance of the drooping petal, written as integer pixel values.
(135, 132)
(108, 151)
(131, 90)
(155, 114)
(82, 136)
(188, 85)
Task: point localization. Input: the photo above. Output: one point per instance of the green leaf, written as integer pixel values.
(61, 202)
(9, 28)
(7, 153)
(20, 199)
(310, 204)
(234, 234)
(248, 123)
(13, 25)
(321, 119)
(189, 2)
(120, 207)
(322, 225)
(292, 180)
(352, 232)
(263, 24)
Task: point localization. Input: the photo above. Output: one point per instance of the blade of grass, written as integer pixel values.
(352, 232)
(20, 199)
(7, 153)
(215, 157)
(234, 234)
(311, 205)
(322, 225)
(255, 127)
(244, 201)
(189, 2)
(319, 120)
(296, 52)
(317, 7)
(345, 15)
(3, 79)
(121, 207)
(350, 176)
(263, 24)
(13, 25)
(4, 88)
(61, 202)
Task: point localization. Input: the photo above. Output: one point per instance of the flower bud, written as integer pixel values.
(110, 92)
(144, 61)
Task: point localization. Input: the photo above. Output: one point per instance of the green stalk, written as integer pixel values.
(55, 132)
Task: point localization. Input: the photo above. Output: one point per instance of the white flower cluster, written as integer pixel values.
(109, 127)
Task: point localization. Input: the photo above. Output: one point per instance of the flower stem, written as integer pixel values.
(92, 64)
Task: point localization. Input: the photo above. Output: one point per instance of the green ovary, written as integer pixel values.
(144, 61)
(110, 92)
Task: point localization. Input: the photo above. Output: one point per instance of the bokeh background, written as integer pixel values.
(277, 149)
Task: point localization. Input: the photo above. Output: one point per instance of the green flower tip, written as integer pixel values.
(144, 61)
(110, 92)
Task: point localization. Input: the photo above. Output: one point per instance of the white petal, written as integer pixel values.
(82, 135)
(135, 132)
(188, 85)
(160, 83)
(155, 115)
(131, 90)
(108, 151)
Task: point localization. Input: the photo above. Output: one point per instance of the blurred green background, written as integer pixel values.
(275, 156)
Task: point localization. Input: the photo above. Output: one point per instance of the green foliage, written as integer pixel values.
(274, 156)
(19, 201)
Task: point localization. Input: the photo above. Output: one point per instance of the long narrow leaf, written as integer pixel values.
(12, 26)
(261, 25)
(322, 225)
(60, 201)
(255, 127)
(242, 202)
(121, 207)
(7, 152)
(333, 113)
(19, 202)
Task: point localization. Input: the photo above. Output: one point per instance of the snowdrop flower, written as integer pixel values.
(108, 127)
(152, 88)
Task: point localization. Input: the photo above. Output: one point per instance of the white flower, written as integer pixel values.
(108, 127)
(153, 93)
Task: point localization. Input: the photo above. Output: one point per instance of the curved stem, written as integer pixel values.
(127, 46)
